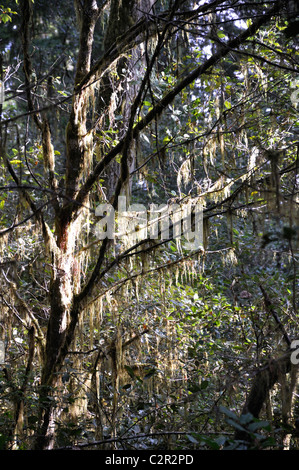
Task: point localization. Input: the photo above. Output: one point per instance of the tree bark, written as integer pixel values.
(64, 267)
(264, 380)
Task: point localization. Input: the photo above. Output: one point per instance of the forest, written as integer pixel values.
(149, 225)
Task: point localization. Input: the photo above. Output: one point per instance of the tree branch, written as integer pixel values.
(169, 97)
(270, 309)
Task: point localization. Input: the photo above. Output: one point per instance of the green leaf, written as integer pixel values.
(149, 374)
(235, 425)
(228, 412)
(221, 440)
(127, 386)
(5, 18)
(258, 425)
(130, 371)
(246, 418)
(192, 439)
(132, 374)
(213, 444)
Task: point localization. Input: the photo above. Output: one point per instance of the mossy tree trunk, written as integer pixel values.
(65, 275)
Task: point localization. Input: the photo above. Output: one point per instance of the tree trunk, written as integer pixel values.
(65, 283)
(265, 379)
(65, 270)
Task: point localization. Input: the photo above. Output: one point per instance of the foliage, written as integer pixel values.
(135, 343)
